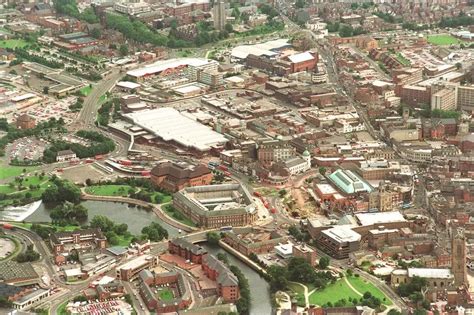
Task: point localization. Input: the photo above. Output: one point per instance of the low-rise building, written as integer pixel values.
(227, 282)
(63, 243)
(65, 155)
(130, 270)
(339, 241)
(187, 250)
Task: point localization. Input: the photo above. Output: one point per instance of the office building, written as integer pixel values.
(219, 15)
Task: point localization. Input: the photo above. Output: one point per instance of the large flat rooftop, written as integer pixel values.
(170, 125)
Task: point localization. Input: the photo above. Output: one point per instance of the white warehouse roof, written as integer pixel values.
(301, 57)
(433, 273)
(263, 49)
(171, 125)
(342, 234)
(162, 65)
(370, 218)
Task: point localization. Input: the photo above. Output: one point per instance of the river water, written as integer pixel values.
(134, 217)
(259, 288)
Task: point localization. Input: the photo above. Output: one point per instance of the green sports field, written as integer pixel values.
(443, 40)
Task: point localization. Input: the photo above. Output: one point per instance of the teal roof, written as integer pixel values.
(349, 182)
(306, 153)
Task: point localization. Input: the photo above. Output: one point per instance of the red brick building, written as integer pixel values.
(227, 282)
(187, 250)
(173, 177)
(305, 61)
(25, 122)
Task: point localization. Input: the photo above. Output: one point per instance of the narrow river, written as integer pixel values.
(259, 288)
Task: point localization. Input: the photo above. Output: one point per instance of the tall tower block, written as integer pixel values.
(458, 256)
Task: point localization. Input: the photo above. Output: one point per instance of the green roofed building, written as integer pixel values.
(349, 182)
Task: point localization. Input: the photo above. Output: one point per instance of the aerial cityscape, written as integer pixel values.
(224, 157)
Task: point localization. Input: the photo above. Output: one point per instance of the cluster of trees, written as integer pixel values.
(88, 75)
(111, 230)
(69, 7)
(268, 10)
(76, 107)
(298, 235)
(135, 30)
(24, 54)
(68, 213)
(413, 290)
(387, 17)
(365, 5)
(100, 145)
(299, 270)
(213, 238)
(206, 34)
(271, 26)
(61, 191)
(104, 111)
(414, 26)
(154, 232)
(243, 304)
(29, 255)
(13, 133)
(366, 300)
(43, 230)
(461, 20)
(344, 30)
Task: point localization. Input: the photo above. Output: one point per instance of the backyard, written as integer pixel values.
(443, 40)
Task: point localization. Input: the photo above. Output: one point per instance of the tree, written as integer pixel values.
(458, 65)
(28, 256)
(229, 28)
(394, 312)
(278, 278)
(282, 193)
(300, 4)
(322, 170)
(324, 262)
(96, 33)
(213, 237)
(154, 232)
(45, 90)
(102, 222)
(123, 50)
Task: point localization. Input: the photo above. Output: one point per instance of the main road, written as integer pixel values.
(91, 102)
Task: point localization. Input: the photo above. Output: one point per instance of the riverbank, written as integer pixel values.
(20, 213)
(155, 208)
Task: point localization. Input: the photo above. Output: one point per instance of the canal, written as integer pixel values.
(259, 288)
(134, 217)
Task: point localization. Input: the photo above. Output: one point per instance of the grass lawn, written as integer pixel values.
(102, 99)
(108, 190)
(5, 189)
(12, 171)
(442, 40)
(159, 197)
(124, 241)
(333, 293)
(178, 216)
(299, 293)
(66, 228)
(62, 309)
(363, 286)
(13, 43)
(166, 295)
(86, 90)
